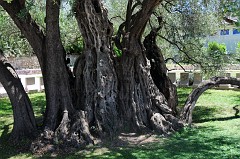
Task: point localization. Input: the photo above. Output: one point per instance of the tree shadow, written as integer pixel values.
(203, 114)
(186, 144)
(5, 132)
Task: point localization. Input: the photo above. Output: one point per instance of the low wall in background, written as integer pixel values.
(20, 63)
(31, 83)
(31, 62)
(32, 80)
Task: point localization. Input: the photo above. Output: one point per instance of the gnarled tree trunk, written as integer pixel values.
(186, 114)
(129, 100)
(24, 122)
(141, 104)
(96, 80)
(159, 70)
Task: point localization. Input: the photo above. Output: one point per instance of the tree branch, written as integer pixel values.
(180, 49)
(142, 17)
(176, 63)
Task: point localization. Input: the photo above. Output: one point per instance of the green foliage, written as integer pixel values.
(230, 8)
(8, 1)
(216, 50)
(70, 34)
(12, 41)
(238, 48)
(117, 51)
(186, 24)
(235, 57)
(75, 46)
(116, 12)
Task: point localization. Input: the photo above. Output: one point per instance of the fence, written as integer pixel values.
(185, 79)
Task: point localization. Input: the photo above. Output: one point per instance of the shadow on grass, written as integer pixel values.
(188, 143)
(217, 119)
(203, 114)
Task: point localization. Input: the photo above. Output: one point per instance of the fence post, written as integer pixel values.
(38, 83)
(197, 79)
(172, 77)
(184, 79)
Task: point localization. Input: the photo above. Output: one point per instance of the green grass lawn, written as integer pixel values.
(214, 135)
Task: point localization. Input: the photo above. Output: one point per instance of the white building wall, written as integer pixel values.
(230, 40)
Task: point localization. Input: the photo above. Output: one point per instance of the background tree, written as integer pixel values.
(11, 40)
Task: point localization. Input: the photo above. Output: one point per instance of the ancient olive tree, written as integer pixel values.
(106, 94)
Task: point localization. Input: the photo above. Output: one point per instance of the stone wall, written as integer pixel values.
(20, 63)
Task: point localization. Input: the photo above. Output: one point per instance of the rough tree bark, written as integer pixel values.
(141, 104)
(159, 70)
(96, 80)
(24, 122)
(186, 114)
(51, 56)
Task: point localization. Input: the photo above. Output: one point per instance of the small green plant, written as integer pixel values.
(75, 47)
(117, 51)
(215, 59)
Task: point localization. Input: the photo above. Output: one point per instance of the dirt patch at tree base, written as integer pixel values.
(123, 140)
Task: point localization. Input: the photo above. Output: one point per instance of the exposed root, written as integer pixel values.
(80, 130)
(165, 124)
(65, 136)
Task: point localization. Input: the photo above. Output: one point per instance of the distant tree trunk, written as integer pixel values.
(186, 114)
(24, 122)
(159, 70)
